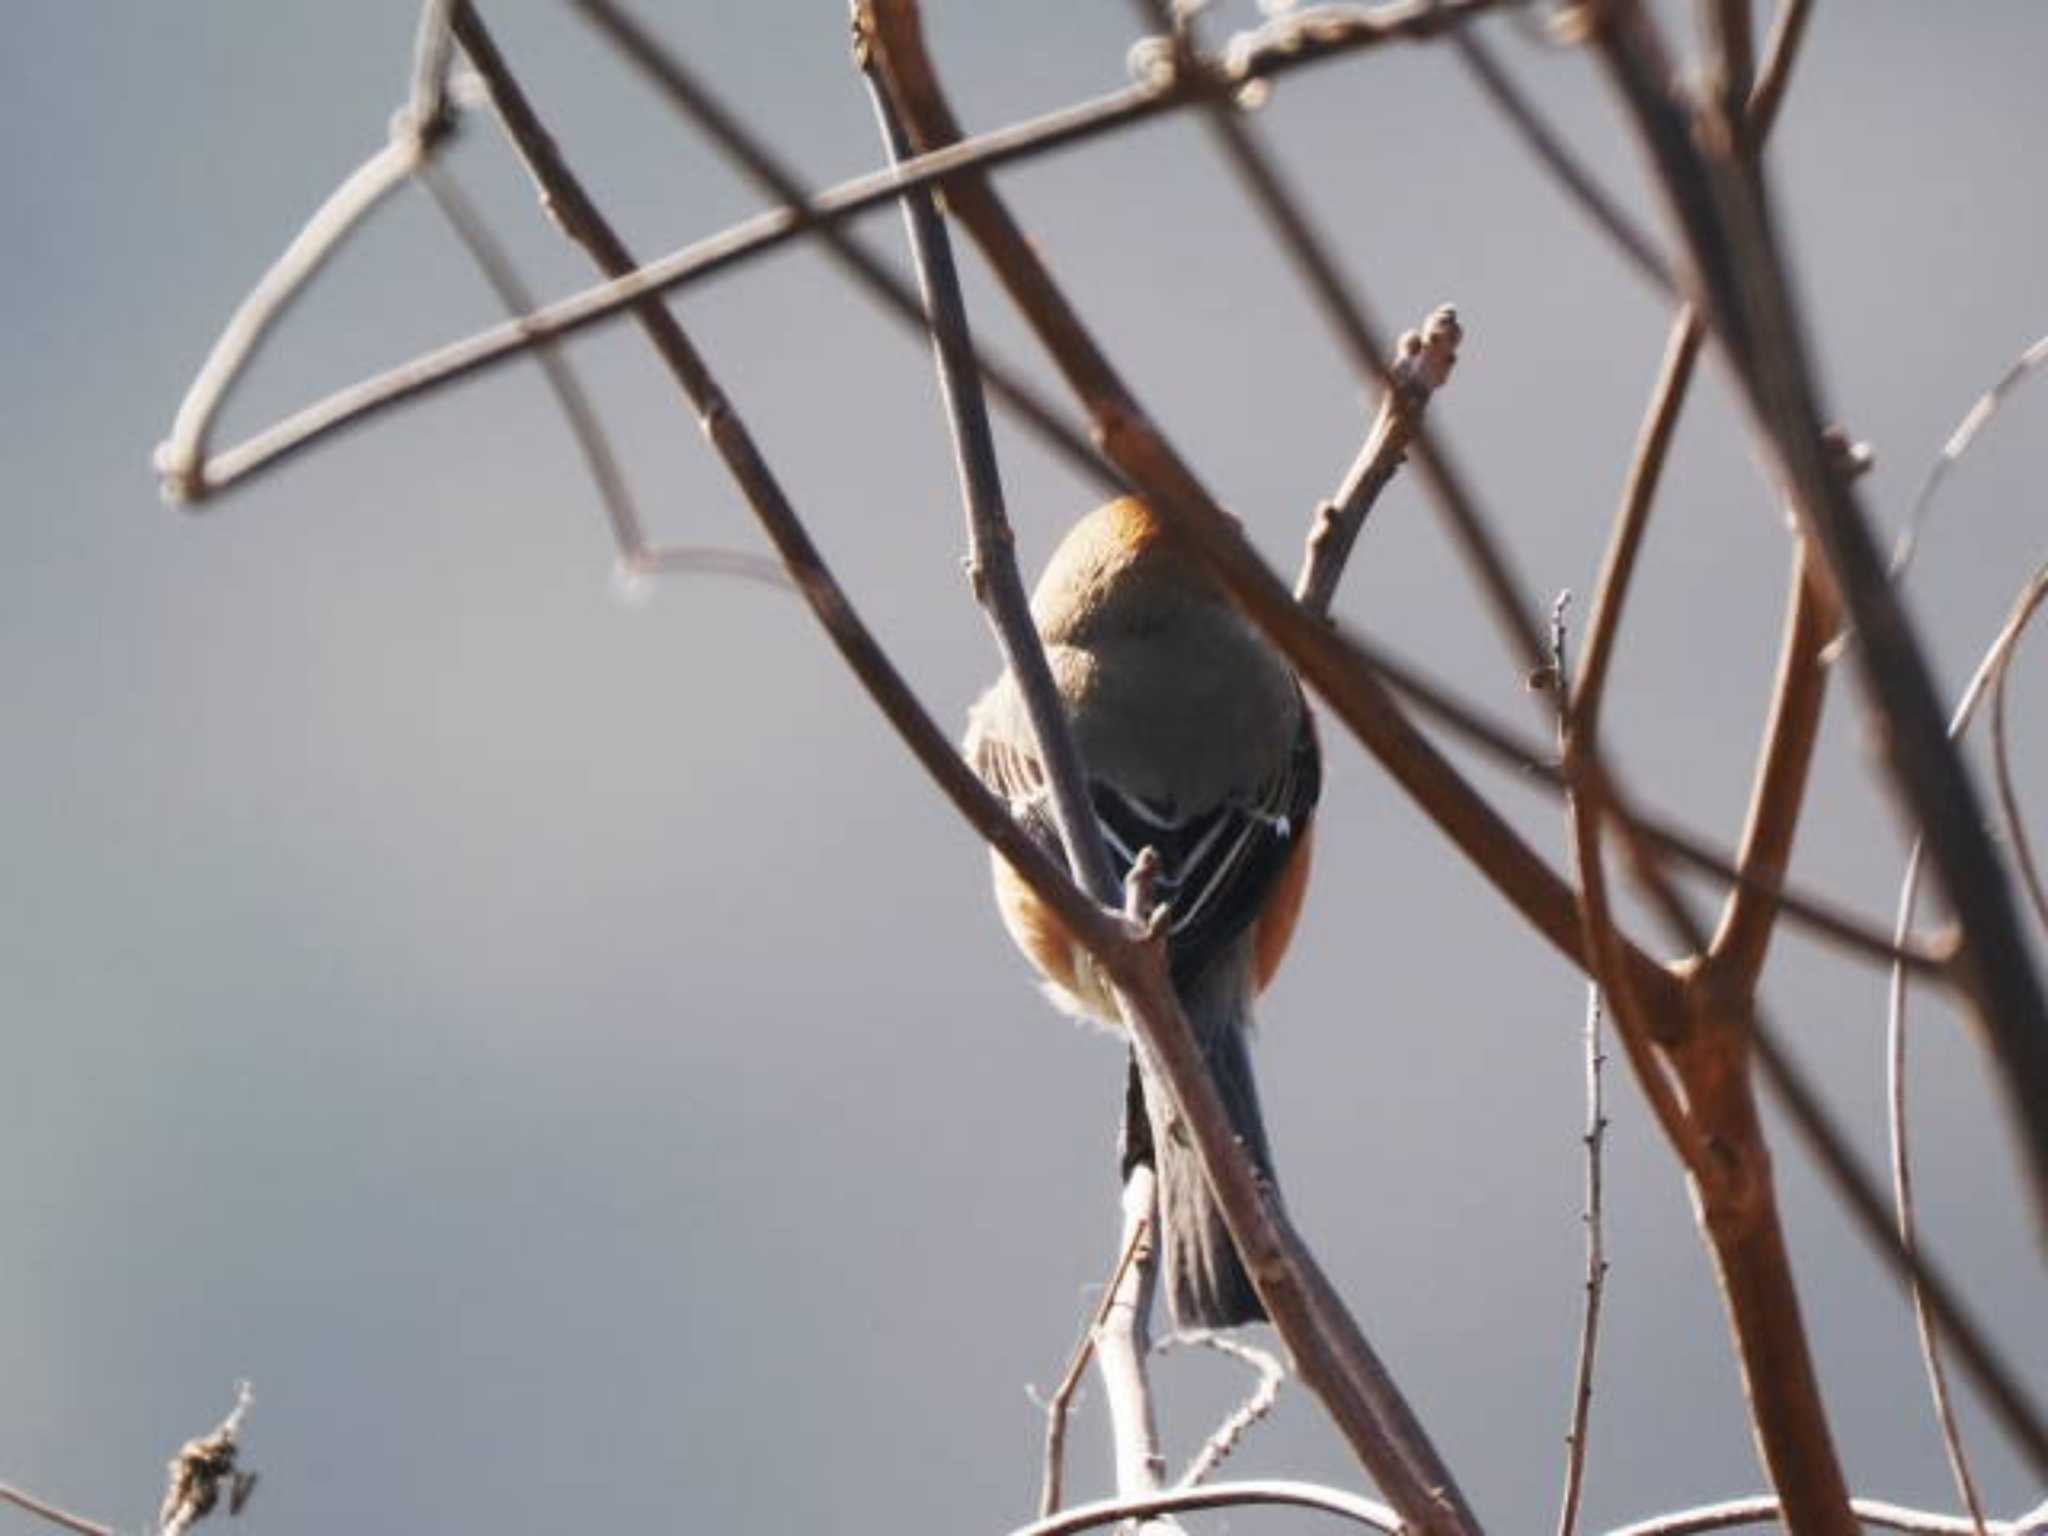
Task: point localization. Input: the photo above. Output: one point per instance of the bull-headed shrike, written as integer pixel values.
(1198, 744)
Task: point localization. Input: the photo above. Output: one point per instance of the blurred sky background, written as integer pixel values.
(560, 1049)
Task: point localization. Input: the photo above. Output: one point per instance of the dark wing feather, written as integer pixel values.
(1217, 864)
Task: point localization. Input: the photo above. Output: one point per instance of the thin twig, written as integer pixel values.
(699, 560)
(196, 1473)
(991, 546)
(181, 460)
(730, 439)
(1270, 1373)
(1594, 1138)
(2008, 798)
(1344, 309)
(1123, 1341)
(1058, 1405)
(1905, 1212)
(1272, 1492)
(432, 46)
(1596, 1274)
(2031, 361)
(1555, 157)
(1750, 914)
(584, 425)
(44, 1510)
(1422, 364)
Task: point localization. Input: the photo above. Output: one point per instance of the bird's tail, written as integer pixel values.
(1206, 1283)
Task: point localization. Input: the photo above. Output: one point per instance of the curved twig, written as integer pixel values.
(1991, 666)
(1974, 421)
(2008, 798)
(1755, 1511)
(190, 474)
(496, 265)
(1271, 1492)
(181, 459)
(1266, 1366)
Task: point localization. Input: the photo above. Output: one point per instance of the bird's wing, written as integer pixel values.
(1217, 862)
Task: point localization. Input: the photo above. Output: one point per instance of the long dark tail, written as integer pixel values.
(1206, 1283)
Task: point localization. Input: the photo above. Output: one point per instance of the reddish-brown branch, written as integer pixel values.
(1750, 913)
(1716, 198)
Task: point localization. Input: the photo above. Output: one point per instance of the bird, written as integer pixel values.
(1198, 743)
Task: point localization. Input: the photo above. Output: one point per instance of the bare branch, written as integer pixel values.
(2001, 760)
(1751, 912)
(1270, 1374)
(1716, 198)
(991, 546)
(735, 446)
(181, 460)
(1595, 1138)
(50, 1512)
(189, 474)
(1422, 364)
(1273, 1492)
(196, 1473)
(426, 102)
(1552, 153)
(1123, 1345)
(1974, 420)
(1058, 1405)
(1345, 312)
(493, 261)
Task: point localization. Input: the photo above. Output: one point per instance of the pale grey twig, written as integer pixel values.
(1974, 420)
(44, 1510)
(1596, 1273)
(1266, 1366)
(1123, 1339)
(1052, 1489)
(431, 50)
(181, 460)
(2008, 798)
